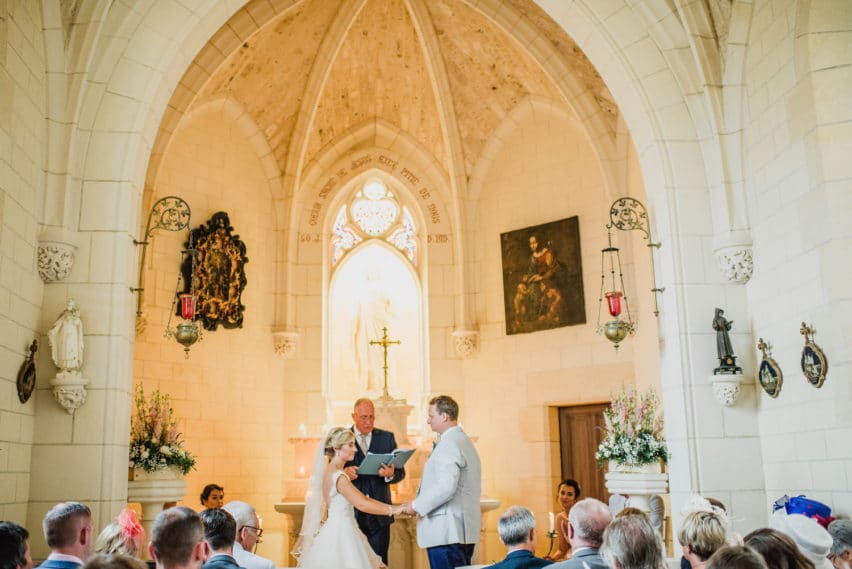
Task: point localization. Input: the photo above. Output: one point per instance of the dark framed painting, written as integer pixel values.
(543, 277)
(219, 275)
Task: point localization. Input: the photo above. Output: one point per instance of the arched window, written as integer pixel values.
(373, 213)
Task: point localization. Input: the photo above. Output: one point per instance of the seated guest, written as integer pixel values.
(698, 503)
(14, 547)
(587, 522)
(632, 543)
(219, 531)
(777, 549)
(841, 548)
(123, 536)
(177, 539)
(213, 496)
(114, 561)
(68, 532)
(248, 535)
(657, 515)
(516, 528)
(736, 557)
(701, 535)
(812, 539)
(567, 493)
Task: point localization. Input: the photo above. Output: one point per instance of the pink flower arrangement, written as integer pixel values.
(633, 430)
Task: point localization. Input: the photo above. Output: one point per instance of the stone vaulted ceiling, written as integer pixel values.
(341, 67)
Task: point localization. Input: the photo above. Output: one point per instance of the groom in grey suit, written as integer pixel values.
(447, 504)
(587, 521)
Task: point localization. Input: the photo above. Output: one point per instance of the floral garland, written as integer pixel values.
(633, 430)
(155, 443)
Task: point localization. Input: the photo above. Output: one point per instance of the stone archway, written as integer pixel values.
(163, 41)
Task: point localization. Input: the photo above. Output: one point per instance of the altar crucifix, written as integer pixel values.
(385, 343)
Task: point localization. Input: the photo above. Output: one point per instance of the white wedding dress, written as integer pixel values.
(339, 544)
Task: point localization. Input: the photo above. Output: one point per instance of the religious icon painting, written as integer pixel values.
(27, 374)
(769, 372)
(543, 277)
(814, 363)
(217, 275)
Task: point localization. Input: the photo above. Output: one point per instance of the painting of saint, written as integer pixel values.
(543, 277)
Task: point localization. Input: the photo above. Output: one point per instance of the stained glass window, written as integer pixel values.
(373, 213)
(343, 237)
(403, 237)
(374, 209)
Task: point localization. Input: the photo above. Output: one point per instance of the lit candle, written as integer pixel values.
(302, 473)
(550, 521)
(302, 429)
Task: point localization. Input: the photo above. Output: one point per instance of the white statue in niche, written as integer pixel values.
(66, 339)
(373, 312)
(373, 287)
(66, 350)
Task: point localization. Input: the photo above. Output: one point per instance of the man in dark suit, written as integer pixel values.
(220, 527)
(68, 532)
(177, 539)
(587, 521)
(370, 439)
(516, 528)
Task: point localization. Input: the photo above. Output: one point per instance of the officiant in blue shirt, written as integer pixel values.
(369, 439)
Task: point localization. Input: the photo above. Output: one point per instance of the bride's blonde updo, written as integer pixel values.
(336, 438)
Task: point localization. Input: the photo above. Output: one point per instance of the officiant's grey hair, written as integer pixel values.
(514, 525)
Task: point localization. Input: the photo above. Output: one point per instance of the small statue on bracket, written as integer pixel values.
(727, 359)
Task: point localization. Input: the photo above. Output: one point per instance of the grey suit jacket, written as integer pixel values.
(447, 503)
(589, 558)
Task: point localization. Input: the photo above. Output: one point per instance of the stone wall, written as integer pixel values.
(23, 146)
(798, 172)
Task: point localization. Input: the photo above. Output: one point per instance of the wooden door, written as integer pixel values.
(580, 433)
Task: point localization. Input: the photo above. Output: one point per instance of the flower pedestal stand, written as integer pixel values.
(638, 482)
(153, 490)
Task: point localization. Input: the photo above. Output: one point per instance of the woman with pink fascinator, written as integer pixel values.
(124, 535)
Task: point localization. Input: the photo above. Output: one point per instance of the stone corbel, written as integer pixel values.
(285, 343)
(735, 263)
(55, 255)
(466, 343)
(69, 390)
(726, 388)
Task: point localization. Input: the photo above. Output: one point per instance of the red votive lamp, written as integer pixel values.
(187, 306)
(613, 301)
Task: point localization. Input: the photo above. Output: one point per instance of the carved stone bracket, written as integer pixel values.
(726, 388)
(736, 263)
(69, 390)
(55, 260)
(466, 342)
(285, 343)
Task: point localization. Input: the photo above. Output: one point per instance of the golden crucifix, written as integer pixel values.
(384, 343)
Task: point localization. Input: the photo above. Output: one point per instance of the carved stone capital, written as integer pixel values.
(55, 260)
(736, 263)
(466, 342)
(285, 343)
(69, 390)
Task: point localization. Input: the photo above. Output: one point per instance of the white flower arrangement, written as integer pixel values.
(634, 431)
(155, 443)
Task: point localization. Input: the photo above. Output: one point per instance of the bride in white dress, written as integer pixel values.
(338, 542)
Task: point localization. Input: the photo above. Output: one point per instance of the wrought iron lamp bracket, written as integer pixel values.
(628, 214)
(170, 213)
